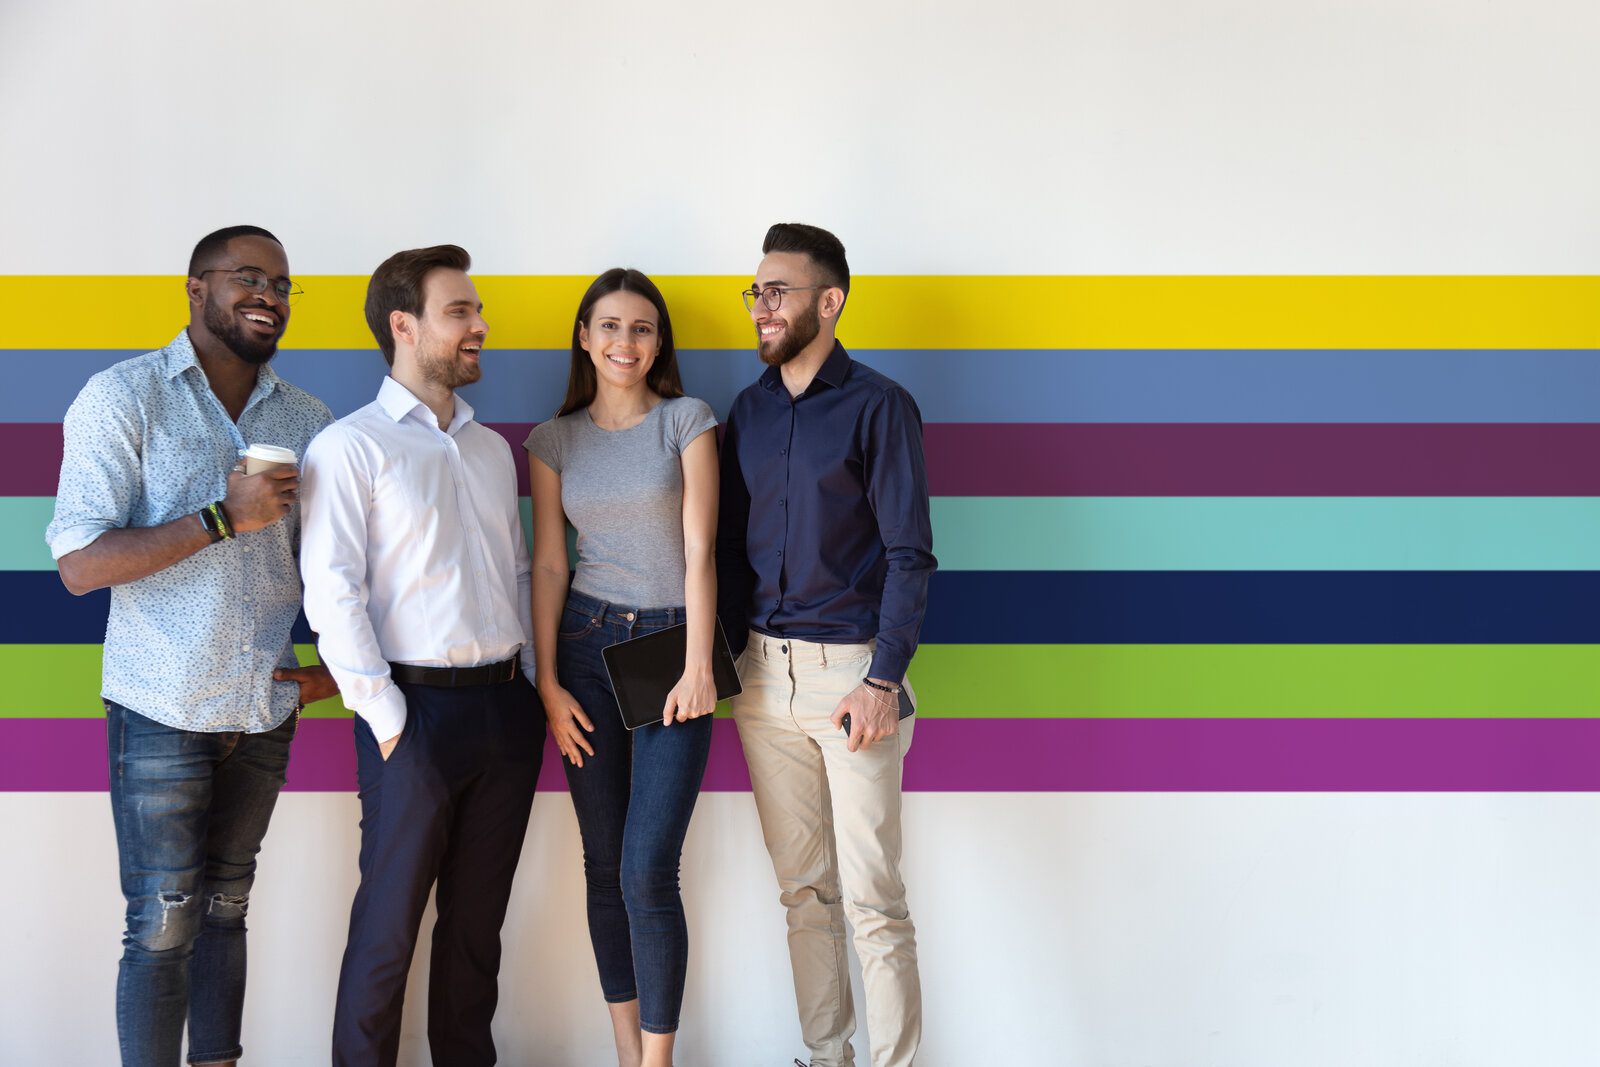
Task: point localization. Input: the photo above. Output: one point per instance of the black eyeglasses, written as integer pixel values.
(772, 296)
(256, 281)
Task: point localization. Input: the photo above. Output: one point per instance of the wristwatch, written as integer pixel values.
(215, 520)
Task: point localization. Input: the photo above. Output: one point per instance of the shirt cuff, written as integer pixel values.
(888, 666)
(386, 715)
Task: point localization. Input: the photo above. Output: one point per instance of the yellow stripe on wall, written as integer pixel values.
(1135, 312)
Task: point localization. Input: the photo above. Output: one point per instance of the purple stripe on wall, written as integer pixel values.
(1263, 459)
(1249, 459)
(1156, 459)
(35, 448)
(1027, 755)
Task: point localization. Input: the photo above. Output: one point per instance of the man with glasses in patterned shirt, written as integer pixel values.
(201, 686)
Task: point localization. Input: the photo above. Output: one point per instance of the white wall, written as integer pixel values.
(1112, 930)
(1145, 136)
(942, 137)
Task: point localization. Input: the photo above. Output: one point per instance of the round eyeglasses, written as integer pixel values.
(255, 281)
(772, 296)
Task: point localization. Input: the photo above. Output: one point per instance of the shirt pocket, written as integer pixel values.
(186, 472)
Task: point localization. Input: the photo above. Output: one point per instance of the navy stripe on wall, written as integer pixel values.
(1116, 607)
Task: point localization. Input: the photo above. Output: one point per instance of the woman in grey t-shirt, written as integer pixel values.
(631, 463)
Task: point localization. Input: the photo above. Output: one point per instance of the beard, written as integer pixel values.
(440, 365)
(224, 326)
(801, 331)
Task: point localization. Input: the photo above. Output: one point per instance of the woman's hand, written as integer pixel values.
(694, 695)
(565, 715)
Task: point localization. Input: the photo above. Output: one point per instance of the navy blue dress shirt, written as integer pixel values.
(824, 532)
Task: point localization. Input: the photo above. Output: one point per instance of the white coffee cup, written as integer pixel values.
(258, 458)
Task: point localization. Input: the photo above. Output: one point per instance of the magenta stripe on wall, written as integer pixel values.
(1027, 755)
(1250, 459)
(1263, 459)
(1157, 459)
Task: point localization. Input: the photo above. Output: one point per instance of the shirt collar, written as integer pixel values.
(180, 356)
(834, 370)
(398, 402)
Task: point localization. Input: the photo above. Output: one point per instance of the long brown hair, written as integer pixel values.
(662, 377)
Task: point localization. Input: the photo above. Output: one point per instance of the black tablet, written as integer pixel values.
(644, 669)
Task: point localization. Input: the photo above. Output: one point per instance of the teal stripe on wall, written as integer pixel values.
(1267, 533)
(1180, 533)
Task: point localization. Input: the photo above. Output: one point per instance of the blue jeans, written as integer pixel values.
(633, 799)
(190, 812)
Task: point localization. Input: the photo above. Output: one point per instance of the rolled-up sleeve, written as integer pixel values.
(335, 496)
(101, 475)
(897, 490)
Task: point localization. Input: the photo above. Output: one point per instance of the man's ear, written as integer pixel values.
(403, 324)
(195, 290)
(832, 302)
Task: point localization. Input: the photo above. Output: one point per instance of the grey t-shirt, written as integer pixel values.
(623, 492)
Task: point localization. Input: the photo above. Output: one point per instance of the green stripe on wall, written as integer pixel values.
(1180, 533)
(1102, 681)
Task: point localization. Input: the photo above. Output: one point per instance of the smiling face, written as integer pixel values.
(781, 335)
(622, 337)
(450, 331)
(248, 324)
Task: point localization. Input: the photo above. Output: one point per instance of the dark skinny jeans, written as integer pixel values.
(633, 800)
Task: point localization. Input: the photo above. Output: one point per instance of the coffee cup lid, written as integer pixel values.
(271, 454)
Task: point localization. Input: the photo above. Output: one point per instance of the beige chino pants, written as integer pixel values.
(831, 819)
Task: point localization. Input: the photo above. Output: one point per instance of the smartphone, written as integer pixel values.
(906, 709)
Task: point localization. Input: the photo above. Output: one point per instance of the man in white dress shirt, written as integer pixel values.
(416, 575)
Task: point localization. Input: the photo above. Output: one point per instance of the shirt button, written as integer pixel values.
(783, 451)
(247, 599)
(782, 503)
(246, 648)
(783, 648)
(244, 548)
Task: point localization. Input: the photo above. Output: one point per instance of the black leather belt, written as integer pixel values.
(455, 677)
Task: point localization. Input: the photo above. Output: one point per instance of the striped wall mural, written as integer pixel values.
(1194, 533)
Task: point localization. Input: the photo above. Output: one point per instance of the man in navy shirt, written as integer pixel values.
(824, 552)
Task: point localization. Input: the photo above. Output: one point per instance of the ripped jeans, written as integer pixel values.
(190, 812)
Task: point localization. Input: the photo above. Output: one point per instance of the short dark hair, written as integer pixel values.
(824, 249)
(397, 286)
(662, 378)
(214, 244)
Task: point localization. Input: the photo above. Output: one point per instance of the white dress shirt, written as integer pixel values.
(412, 549)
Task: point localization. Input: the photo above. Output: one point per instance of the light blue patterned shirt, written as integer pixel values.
(147, 441)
